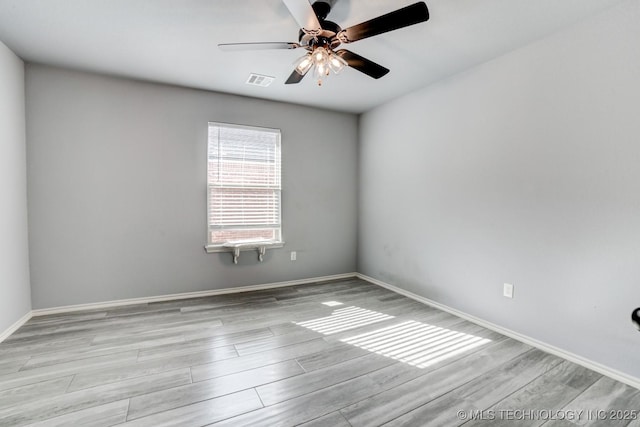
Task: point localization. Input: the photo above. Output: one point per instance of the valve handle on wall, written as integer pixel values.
(635, 318)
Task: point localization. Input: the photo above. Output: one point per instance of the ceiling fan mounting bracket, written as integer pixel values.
(322, 8)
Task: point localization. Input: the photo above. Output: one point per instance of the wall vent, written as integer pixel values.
(259, 80)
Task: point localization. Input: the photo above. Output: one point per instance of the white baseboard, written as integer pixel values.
(144, 300)
(11, 329)
(589, 364)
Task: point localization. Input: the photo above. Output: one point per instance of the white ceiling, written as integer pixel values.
(175, 41)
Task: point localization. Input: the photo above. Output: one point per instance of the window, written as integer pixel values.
(243, 185)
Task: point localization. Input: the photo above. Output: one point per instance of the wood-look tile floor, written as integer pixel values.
(342, 353)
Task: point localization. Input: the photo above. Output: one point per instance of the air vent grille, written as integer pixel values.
(259, 80)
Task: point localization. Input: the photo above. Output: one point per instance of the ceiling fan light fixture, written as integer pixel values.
(320, 71)
(336, 63)
(322, 63)
(320, 55)
(304, 64)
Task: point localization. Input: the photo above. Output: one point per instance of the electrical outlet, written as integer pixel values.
(293, 255)
(508, 290)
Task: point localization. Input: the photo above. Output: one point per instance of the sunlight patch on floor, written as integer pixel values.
(344, 319)
(418, 344)
(332, 303)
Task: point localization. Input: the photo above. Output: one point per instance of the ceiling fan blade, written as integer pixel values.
(303, 13)
(230, 47)
(363, 65)
(295, 77)
(400, 18)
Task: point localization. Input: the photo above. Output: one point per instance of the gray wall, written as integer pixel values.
(15, 294)
(117, 188)
(524, 170)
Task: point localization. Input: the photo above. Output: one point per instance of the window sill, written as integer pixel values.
(237, 246)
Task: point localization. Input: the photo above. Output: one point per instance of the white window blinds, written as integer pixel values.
(243, 184)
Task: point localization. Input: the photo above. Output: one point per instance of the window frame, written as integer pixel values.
(261, 245)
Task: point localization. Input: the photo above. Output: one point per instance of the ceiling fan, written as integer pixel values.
(321, 38)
